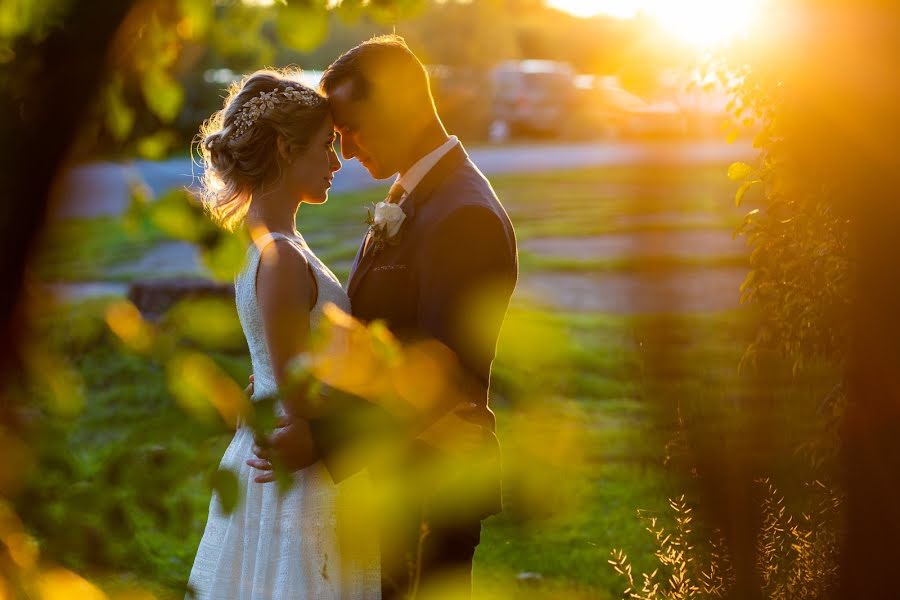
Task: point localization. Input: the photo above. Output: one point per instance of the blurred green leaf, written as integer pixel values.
(157, 145)
(738, 171)
(225, 484)
(225, 258)
(284, 479)
(350, 11)
(139, 198)
(198, 14)
(388, 12)
(209, 322)
(163, 94)
(202, 388)
(302, 27)
(175, 214)
(742, 190)
(119, 116)
(264, 415)
(29, 16)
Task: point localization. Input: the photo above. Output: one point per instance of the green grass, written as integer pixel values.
(83, 249)
(584, 424)
(565, 538)
(597, 201)
(529, 261)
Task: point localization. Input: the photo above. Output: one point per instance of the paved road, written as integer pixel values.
(102, 189)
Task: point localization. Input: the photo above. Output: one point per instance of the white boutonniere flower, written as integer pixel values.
(385, 223)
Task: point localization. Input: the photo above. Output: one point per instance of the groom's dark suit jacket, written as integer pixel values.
(449, 278)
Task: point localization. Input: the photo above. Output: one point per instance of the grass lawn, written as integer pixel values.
(585, 405)
(583, 443)
(82, 249)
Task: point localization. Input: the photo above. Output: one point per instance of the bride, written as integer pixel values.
(269, 150)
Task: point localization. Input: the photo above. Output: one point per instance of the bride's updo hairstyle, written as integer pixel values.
(238, 145)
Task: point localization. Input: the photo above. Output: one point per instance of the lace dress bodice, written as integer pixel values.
(329, 290)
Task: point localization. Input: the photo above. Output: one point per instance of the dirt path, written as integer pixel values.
(640, 244)
(688, 290)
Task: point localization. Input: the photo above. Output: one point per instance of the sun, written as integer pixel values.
(705, 23)
(700, 23)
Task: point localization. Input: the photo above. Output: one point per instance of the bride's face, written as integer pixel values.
(310, 173)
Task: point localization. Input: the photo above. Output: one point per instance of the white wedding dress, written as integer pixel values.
(288, 546)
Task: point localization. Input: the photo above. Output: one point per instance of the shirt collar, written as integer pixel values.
(416, 173)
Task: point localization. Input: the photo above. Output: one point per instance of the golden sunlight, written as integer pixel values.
(701, 23)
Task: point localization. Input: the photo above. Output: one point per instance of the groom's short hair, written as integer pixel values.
(384, 59)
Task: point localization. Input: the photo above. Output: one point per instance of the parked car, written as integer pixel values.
(533, 96)
(605, 109)
(602, 108)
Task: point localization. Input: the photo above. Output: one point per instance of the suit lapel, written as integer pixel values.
(361, 267)
(356, 259)
(416, 198)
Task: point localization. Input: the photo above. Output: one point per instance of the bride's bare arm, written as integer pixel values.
(286, 291)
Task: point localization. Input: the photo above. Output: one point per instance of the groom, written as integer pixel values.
(442, 271)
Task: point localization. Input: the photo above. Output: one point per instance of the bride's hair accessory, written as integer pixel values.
(258, 106)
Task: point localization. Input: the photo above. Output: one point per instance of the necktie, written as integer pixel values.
(395, 193)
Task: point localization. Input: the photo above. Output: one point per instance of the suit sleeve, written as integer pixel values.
(467, 272)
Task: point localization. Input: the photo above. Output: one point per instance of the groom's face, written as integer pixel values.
(367, 133)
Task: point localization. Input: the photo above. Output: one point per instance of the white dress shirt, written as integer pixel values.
(418, 171)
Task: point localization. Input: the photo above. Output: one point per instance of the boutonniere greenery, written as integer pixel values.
(385, 221)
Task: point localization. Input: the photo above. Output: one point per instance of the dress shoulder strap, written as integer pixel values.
(263, 241)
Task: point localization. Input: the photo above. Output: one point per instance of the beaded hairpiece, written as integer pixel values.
(258, 106)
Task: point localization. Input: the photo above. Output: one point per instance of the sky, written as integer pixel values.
(588, 8)
(701, 22)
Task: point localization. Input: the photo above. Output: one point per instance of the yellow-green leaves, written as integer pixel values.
(21, 17)
(163, 94)
(196, 17)
(302, 25)
(224, 259)
(200, 385)
(176, 216)
(157, 145)
(742, 190)
(61, 384)
(225, 484)
(739, 170)
(211, 323)
(119, 115)
(126, 322)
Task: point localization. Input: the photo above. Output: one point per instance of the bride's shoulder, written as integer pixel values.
(270, 253)
(281, 253)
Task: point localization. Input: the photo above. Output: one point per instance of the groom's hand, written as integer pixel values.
(290, 448)
(454, 433)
